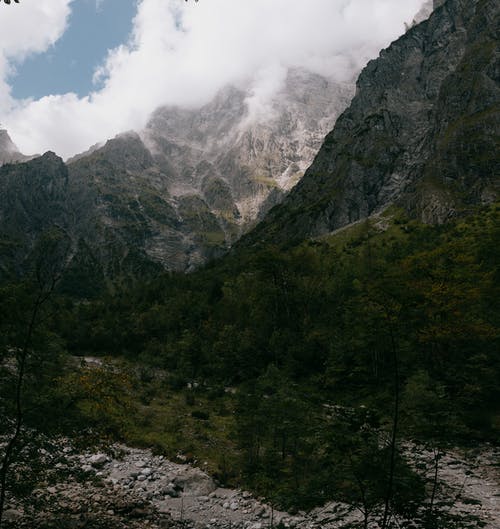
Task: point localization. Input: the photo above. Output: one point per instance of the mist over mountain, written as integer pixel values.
(8, 151)
(182, 54)
(275, 308)
(192, 182)
(186, 187)
(259, 153)
(421, 132)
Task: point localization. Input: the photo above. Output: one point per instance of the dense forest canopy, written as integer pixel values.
(301, 353)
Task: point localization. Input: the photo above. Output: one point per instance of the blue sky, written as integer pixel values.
(68, 66)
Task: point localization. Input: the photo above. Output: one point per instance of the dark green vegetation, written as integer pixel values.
(300, 370)
(307, 365)
(329, 314)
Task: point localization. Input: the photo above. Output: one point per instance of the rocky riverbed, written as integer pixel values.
(131, 488)
(187, 495)
(468, 482)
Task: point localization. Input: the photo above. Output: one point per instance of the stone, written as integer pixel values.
(170, 491)
(12, 515)
(194, 482)
(259, 510)
(98, 460)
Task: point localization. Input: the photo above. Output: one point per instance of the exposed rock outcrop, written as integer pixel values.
(252, 154)
(132, 488)
(422, 131)
(9, 153)
(175, 195)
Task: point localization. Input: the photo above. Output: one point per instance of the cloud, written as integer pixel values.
(27, 28)
(182, 53)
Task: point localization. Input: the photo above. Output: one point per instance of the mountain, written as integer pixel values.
(255, 156)
(351, 372)
(132, 207)
(32, 200)
(174, 195)
(421, 131)
(9, 153)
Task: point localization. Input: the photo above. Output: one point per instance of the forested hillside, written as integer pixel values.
(345, 350)
(310, 368)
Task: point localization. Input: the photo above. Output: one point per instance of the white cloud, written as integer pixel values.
(183, 52)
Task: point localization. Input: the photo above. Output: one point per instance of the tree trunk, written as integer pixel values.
(437, 457)
(395, 419)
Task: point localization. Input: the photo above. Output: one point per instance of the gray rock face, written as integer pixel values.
(175, 195)
(9, 153)
(422, 131)
(248, 156)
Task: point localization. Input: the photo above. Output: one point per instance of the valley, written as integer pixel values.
(250, 317)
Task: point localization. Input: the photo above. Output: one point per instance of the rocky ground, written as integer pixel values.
(468, 482)
(132, 488)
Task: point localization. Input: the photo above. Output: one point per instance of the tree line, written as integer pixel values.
(337, 350)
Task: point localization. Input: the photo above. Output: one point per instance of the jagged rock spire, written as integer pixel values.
(8, 150)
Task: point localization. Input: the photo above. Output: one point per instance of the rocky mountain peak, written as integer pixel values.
(257, 158)
(127, 152)
(9, 153)
(422, 130)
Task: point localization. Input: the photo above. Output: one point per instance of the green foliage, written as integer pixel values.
(290, 354)
(327, 314)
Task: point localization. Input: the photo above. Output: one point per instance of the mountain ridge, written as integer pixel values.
(9, 153)
(180, 192)
(388, 145)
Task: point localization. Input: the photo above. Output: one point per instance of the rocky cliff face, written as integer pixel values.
(32, 198)
(9, 153)
(422, 131)
(255, 157)
(178, 193)
(97, 205)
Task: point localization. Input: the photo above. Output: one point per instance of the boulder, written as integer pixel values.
(98, 460)
(194, 482)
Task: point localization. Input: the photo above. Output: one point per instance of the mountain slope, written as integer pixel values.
(9, 153)
(175, 195)
(32, 200)
(259, 149)
(421, 131)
